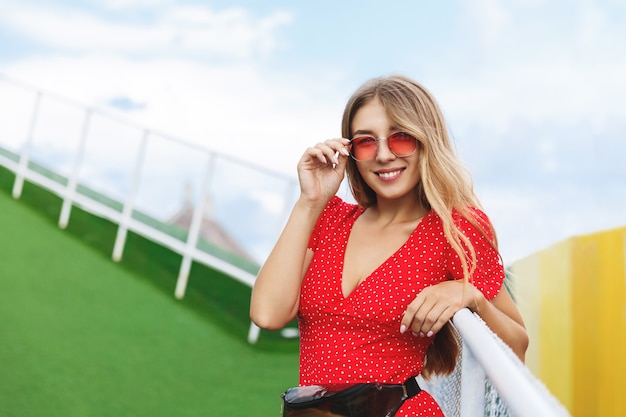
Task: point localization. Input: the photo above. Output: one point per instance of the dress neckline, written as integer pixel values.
(385, 262)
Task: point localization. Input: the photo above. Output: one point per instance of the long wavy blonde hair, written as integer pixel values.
(445, 185)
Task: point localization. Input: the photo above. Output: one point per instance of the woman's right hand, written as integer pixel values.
(321, 170)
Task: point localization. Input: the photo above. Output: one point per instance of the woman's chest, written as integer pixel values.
(384, 293)
(369, 248)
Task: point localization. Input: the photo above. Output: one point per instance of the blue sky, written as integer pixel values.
(534, 91)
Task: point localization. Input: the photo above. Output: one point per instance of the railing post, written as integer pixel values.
(25, 154)
(472, 385)
(253, 333)
(72, 183)
(194, 232)
(284, 216)
(514, 383)
(129, 205)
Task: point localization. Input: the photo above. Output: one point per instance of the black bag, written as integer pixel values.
(360, 400)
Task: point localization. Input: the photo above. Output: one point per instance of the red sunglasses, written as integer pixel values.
(400, 144)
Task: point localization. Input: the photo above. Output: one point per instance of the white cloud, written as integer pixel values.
(489, 19)
(132, 4)
(178, 29)
(271, 202)
(232, 31)
(76, 30)
(558, 61)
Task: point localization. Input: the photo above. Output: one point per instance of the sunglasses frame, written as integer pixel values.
(378, 140)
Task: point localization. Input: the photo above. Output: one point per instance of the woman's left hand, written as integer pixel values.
(435, 305)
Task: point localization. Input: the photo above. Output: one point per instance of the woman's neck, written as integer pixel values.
(397, 211)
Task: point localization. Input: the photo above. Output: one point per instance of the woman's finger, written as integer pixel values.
(434, 321)
(327, 152)
(410, 316)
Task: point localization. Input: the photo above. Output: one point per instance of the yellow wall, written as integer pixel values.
(525, 280)
(556, 320)
(573, 299)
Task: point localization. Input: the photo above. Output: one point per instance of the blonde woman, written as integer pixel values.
(374, 284)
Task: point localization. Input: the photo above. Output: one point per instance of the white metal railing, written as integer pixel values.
(487, 361)
(124, 218)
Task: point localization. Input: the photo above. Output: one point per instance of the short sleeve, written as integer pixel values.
(324, 221)
(488, 275)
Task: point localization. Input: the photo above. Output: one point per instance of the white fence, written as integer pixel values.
(28, 131)
(63, 146)
(493, 381)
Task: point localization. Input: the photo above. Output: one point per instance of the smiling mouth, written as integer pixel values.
(389, 175)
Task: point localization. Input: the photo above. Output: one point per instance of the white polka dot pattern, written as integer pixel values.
(356, 339)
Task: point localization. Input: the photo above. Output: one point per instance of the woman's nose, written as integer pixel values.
(383, 151)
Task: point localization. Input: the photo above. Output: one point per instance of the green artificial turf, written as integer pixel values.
(83, 336)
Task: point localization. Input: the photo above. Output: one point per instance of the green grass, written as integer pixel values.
(83, 336)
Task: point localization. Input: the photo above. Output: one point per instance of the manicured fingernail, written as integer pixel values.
(429, 334)
(345, 152)
(415, 334)
(402, 328)
(421, 334)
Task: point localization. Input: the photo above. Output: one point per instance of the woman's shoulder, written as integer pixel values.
(338, 205)
(337, 210)
(469, 219)
(473, 221)
(336, 214)
(463, 214)
(470, 215)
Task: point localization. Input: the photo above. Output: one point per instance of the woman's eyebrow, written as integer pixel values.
(362, 132)
(371, 132)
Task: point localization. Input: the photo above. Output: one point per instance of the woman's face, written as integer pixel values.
(390, 176)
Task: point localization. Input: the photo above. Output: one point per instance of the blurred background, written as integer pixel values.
(533, 91)
(229, 94)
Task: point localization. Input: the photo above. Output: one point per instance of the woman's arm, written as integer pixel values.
(504, 319)
(435, 305)
(276, 292)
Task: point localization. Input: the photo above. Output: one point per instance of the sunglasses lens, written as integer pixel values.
(363, 148)
(402, 144)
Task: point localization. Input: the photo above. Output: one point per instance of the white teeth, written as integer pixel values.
(388, 174)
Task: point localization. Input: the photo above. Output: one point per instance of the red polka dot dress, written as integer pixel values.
(357, 339)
